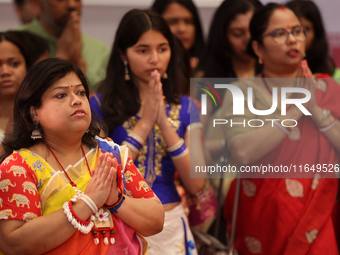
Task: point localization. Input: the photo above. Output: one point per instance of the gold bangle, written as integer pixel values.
(176, 145)
(137, 137)
(131, 147)
(182, 155)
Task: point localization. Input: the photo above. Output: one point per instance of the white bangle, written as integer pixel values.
(89, 202)
(323, 129)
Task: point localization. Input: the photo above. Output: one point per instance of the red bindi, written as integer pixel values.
(288, 27)
(282, 7)
(71, 86)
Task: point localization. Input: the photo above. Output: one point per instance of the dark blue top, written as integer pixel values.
(153, 161)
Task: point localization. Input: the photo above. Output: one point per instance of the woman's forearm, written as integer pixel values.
(145, 215)
(182, 165)
(257, 143)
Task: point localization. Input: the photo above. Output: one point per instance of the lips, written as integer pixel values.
(6, 83)
(293, 53)
(151, 70)
(79, 113)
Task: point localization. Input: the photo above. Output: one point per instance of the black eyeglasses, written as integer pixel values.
(281, 35)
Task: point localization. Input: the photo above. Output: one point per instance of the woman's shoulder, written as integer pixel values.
(188, 103)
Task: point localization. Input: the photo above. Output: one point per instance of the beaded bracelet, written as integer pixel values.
(70, 206)
(71, 217)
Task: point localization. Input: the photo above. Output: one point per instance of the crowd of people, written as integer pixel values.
(98, 144)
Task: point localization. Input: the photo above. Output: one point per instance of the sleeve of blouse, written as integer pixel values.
(19, 197)
(136, 185)
(191, 114)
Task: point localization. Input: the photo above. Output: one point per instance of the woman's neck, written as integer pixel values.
(292, 73)
(243, 68)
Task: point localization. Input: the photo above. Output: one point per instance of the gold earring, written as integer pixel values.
(127, 76)
(260, 61)
(165, 76)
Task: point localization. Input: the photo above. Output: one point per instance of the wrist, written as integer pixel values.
(293, 113)
(82, 209)
(114, 207)
(144, 126)
(318, 114)
(166, 124)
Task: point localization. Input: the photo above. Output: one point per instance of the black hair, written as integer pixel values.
(12, 37)
(259, 24)
(216, 61)
(36, 46)
(31, 46)
(38, 79)
(159, 6)
(317, 56)
(120, 98)
(19, 2)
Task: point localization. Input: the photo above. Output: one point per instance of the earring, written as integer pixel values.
(165, 76)
(36, 134)
(127, 76)
(260, 61)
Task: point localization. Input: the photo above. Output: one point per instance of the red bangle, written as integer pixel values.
(87, 222)
(120, 197)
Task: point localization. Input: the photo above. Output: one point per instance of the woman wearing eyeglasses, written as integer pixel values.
(282, 212)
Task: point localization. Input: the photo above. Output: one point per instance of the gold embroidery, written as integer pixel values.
(159, 143)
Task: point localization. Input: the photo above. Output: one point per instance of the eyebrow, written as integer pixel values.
(66, 87)
(145, 45)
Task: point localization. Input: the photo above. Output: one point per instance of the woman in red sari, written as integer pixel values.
(287, 214)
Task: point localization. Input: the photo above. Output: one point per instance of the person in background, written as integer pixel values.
(19, 51)
(289, 213)
(141, 104)
(37, 47)
(59, 24)
(13, 68)
(78, 193)
(225, 54)
(27, 10)
(184, 22)
(317, 50)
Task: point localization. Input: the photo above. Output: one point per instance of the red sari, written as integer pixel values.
(290, 215)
